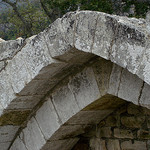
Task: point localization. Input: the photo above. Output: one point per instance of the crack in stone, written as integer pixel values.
(120, 81)
(94, 34)
(140, 94)
(59, 119)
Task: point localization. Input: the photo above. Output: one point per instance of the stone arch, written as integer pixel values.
(81, 100)
(68, 45)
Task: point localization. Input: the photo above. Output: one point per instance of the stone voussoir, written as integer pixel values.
(27, 67)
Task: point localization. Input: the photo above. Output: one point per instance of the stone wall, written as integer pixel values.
(128, 128)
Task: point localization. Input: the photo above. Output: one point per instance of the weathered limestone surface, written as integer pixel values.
(47, 119)
(57, 76)
(32, 136)
(18, 145)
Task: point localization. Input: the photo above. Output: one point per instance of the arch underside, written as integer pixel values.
(79, 102)
(70, 77)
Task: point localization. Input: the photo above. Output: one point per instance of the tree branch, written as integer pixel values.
(25, 23)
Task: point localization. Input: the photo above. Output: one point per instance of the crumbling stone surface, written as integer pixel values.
(65, 66)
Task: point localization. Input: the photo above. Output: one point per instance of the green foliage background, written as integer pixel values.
(11, 26)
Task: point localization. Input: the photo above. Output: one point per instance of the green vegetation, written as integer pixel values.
(31, 17)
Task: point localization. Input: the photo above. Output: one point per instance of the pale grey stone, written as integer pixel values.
(102, 70)
(144, 69)
(148, 21)
(145, 96)
(32, 136)
(36, 55)
(123, 133)
(84, 87)
(65, 103)
(66, 144)
(8, 49)
(1, 109)
(114, 80)
(128, 45)
(85, 30)
(2, 65)
(104, 35)
(6, 92)
(7, 133)
(1, 40)
(5, 146)
(47, 119)
(71, 40)
(18, 73)
(59, 36)
(130, 87)
(18, 145)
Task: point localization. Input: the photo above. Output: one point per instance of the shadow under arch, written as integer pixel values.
(78, 103)
(86, 118)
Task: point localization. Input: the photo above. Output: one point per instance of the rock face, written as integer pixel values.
(55, 85)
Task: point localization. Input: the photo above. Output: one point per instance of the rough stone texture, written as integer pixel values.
(130, 87)
(5, 146)
(143, 70)
(145, 96)
(48, 119)
(84, 87)
(38, 56)
(31, 71)
(122, 133)
(115, 76)
(32, 136)
(5, 85)
(7, 133)
(59, 37)
(137, 145)
(104, 35)
(113, 145)
(18, 145)
(2, 65)
(85, 30)
(8, 49)
(18, 73)
(65, 103)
